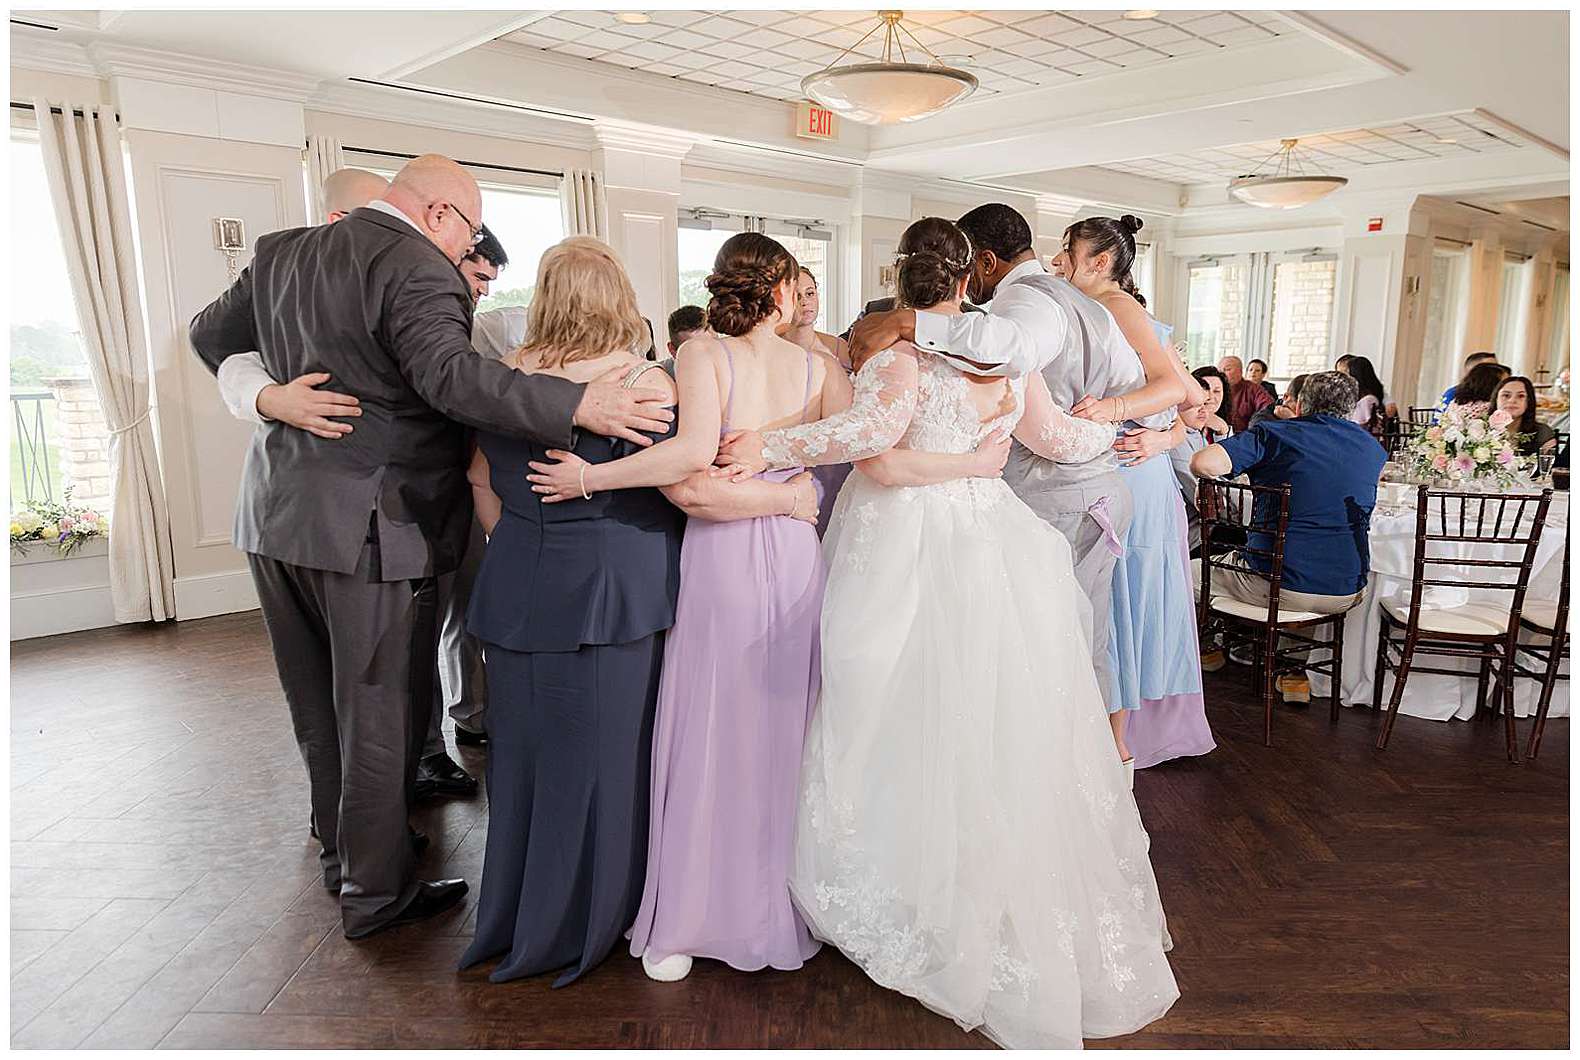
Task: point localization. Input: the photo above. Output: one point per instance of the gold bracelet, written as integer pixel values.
(581, 478)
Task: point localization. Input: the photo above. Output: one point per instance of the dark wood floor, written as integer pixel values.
(1320, 894)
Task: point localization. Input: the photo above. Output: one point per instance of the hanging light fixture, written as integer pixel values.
(889, 91)
(1288, 187)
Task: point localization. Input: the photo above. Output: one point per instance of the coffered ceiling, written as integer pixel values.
(766, 53)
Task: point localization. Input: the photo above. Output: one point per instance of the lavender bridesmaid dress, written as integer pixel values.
(739, 682)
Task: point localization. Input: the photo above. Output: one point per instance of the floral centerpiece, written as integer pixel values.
(64, 525)
(1468, 445)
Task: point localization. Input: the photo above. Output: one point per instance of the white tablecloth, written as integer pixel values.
(1437, 696)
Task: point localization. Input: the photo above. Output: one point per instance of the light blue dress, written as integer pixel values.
(1153, 651)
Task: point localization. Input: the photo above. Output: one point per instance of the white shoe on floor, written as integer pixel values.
(671, 969)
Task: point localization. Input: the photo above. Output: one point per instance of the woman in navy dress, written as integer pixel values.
(572, 604)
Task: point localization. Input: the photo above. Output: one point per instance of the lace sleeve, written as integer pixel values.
(881, 407)
(1054, 434)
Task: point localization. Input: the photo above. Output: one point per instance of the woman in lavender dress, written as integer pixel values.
(741, 662)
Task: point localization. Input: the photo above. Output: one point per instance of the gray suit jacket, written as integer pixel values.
(380, 308)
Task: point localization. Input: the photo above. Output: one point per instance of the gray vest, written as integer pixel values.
(1096, 360)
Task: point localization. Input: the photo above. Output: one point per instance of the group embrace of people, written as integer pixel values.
(788, 640)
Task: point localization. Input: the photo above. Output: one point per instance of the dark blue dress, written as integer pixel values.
(571, 605)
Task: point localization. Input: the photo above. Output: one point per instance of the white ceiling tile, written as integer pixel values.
(1050, 25)
(734, 69)
(685, 38)
(967, 25)
(810, 50)
(719, 27)
(765, 39)
(580, 51)
(1243, 35)
(1090, 67)
(557, 29)
(1082, 36)
(1190, 47)
(762, 18)
(1222, 22)
(651, 51)
(999, 37)
(666, 69)
(1160, 35)
(677, 18)
(1107, 49)
(731, 50)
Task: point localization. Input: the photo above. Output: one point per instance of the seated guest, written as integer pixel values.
(1285, 409)
(1331, 465)
(1256, 372)
(1517, 397)
(1480, 385)
(1246, 399)
(1369, 408)
(1194, 417)
(685, 322)
(1215, 412)
(1470, 362)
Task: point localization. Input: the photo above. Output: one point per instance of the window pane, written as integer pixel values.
(1512, 303)
(1141, 272)
(1445, 321)
(697, 247)
(1216, 313)
(1302, 313)
(58, 435)
(1558, 334)
(527, 223)
(813, 254)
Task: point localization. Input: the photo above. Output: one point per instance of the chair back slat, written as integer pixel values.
(1516, 522)
(1228, 515)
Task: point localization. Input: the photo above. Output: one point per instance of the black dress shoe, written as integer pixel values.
(433, 897)
(468, 738)
(439, 775)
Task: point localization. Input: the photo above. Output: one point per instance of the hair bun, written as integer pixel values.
(1132, 223)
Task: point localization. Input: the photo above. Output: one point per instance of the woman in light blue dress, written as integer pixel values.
(1156, 660)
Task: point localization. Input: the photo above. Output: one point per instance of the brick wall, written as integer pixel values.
(1303, 309)
(84, 442)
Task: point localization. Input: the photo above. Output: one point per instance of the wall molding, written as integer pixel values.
(450, 111)
(207, 595)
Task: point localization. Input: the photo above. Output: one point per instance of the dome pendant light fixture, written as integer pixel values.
(889, 90)
(1288, 187)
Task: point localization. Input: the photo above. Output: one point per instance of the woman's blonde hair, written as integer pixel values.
(583, 307)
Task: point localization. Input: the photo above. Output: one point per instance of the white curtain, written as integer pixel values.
(324, 156)
(582, 204)
(87, 188)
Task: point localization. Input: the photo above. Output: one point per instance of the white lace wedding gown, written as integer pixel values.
(966, 834)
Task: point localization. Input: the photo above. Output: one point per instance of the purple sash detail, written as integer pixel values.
(1099, 512)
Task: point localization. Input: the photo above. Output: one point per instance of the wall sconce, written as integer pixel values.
(230, 239)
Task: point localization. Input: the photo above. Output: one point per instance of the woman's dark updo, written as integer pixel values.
(934, 257)
(1118, 237)
(748, 269)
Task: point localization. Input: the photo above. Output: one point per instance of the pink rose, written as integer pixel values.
(1464, 463)
(1506, 457)
(90, 516)
(66, 523)
(1435, 433)
(1500, 419)
(1439, 462)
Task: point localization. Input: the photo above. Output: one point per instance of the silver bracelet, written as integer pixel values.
(581, 478)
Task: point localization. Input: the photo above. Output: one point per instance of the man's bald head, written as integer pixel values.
(441, 197)
(347, 189)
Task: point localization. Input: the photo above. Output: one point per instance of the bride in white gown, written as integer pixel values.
(966, 833)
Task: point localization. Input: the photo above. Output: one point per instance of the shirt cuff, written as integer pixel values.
(932, 331)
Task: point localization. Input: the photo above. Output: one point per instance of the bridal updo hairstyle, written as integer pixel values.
(1118, 238)
(748, 270)
(933, 258)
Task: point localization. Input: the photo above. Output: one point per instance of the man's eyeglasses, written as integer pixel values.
(476, 230)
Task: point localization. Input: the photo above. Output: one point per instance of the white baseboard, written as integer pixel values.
(206, 595)
(67, 610)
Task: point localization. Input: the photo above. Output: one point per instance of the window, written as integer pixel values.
(1303, 290)
(1556, 358)
(1513, 302)
(1141, 270)
(1216, 311)
(702, 232)
(59, 439)
(1446, 309)
(527, 222)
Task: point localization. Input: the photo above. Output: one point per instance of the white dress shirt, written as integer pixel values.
(495, 333)
(1022, 331)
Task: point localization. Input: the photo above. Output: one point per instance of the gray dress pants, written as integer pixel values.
(356, 661)
(1093, 516)
(459, 685)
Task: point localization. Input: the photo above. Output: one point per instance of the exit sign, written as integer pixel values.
(1374, 224)
(813, 122)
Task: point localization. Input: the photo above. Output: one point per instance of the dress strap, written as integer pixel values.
(806, 388)
(637, 371)
(729, 394)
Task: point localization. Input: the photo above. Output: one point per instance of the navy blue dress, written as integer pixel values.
(571, 604)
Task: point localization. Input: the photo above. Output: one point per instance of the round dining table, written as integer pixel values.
(1434, 696)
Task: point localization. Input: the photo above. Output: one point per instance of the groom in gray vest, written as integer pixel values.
(1037, 322)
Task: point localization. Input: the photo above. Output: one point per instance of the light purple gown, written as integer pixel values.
(740, 678)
